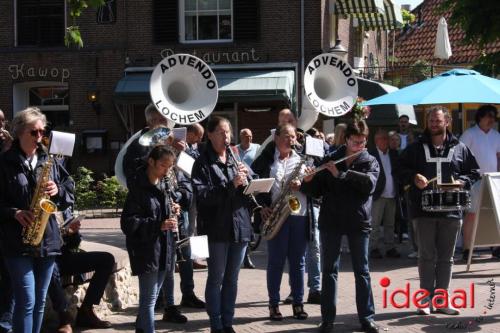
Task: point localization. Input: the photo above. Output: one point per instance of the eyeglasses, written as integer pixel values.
(357, 143)
(35, 132)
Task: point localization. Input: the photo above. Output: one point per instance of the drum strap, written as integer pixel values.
(438, 161)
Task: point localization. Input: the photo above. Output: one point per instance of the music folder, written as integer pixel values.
(259, 186)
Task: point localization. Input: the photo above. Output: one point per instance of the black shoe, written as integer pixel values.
(465, 255)
(314, 297)
(247, 263)
(229, 329)
(369, 327)
(217, 331)
(392, 253)
(288, 299)
(274, 313)
(191, 301)
(173, 315)
(326, 327)
(298, 312)
(495, 253)
(375, 254)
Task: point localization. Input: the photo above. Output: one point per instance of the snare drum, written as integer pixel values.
(439, 200)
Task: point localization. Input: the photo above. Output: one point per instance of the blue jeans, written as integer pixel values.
(30, 279)
(313, 257)
(291, 243)
(149, 287)
(358, 245)
(222, 281)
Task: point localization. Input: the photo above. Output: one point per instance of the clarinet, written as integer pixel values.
(253, 202)
(171, 181)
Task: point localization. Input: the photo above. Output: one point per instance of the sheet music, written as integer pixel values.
(185, 163)
(199, 247)
(259, 186)
(180, 133)
(314, 147)
(62, 143)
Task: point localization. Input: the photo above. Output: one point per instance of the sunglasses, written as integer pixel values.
(35, 133)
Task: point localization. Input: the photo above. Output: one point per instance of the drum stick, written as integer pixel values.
(407, 187)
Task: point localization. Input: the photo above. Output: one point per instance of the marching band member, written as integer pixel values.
(347, 190)
(223, 215)
(437, 232)
(291, 240)
(29, 267)
(147, 223)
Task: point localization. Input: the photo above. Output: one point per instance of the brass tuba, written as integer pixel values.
(41, 206)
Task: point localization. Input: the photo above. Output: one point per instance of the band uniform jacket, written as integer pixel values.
(463, 166)
(146, 207)
(223, 211)
(347, 199)
(17, 186)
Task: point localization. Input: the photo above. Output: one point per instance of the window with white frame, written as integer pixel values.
(40, 22)
(53, 101)
(206, 20)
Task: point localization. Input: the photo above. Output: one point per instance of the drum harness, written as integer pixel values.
(438, 161)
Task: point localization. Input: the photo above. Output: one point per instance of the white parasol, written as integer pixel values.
(443, 47)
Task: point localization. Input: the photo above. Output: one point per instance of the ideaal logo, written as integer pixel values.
(401, 298)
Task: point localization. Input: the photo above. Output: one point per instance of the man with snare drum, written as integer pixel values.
(438, 167)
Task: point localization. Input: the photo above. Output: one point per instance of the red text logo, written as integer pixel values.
(400, 298)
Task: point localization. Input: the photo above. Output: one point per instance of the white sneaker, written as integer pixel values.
(413, 255)
(405, 236)
(449, 310)
(424, 311)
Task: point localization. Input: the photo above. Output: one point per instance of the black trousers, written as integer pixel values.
(101, 263)
(6, 298)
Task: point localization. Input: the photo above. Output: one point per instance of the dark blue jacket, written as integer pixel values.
(379, 188)
(17, 186)
(223, 211)
(347, 199)
(145, 209)
(412, 161)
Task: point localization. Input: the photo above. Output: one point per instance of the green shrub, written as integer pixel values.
(86, 197)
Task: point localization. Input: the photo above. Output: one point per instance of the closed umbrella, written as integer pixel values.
(443, 47)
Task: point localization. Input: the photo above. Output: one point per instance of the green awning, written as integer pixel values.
(354, 7)
(371, 14)
(234, 86)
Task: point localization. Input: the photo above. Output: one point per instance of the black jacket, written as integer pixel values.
(262, 167)
(17, 186)
(223, 211)
(412, 161)
(183, 195)
(145, 209)
(347, 200)
(379, 188)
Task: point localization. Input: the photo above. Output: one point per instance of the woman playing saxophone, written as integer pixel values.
(23, 168)
(290, 241)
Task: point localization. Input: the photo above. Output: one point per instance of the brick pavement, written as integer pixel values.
(251, 312)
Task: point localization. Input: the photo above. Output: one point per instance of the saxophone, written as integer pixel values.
(41, 207)
(283, 205)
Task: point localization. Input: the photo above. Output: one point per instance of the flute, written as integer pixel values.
(324, 166)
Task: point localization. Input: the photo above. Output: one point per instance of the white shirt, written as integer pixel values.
(388, 191)
(404, 140)
(484, 146)
(280, 170)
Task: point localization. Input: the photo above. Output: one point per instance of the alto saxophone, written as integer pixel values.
(283, 205)
(41, 207)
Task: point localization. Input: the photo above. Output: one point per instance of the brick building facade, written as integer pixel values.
(37, 69)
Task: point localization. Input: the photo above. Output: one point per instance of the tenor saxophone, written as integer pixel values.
(283, 205)
(41, 207)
